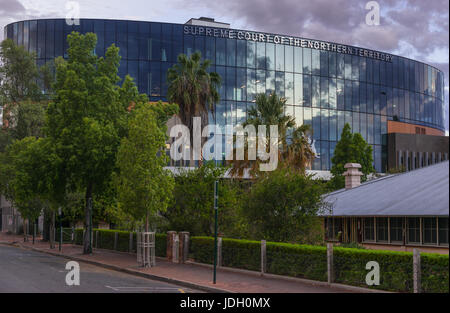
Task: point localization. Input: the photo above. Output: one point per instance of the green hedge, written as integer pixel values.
(106, 240)
(311, 262)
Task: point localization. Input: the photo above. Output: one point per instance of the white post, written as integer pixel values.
(416, 271)
(330, 262)
(263, 257)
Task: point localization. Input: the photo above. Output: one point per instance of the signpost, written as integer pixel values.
(216, 208)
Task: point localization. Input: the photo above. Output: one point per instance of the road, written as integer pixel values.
(34, 272)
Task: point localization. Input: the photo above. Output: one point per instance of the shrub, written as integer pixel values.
(306, 261)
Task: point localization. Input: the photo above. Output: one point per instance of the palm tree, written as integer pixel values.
(268, 110)
(294, 147)
(299, 153)
(193, 88)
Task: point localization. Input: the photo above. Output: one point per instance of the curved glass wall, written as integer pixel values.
(325, 89)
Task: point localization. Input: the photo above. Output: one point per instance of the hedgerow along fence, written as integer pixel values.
(310, 262)
(301, 261)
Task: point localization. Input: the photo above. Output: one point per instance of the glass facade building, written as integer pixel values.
(324, 86)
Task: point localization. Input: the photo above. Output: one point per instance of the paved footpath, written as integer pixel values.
(189, 275)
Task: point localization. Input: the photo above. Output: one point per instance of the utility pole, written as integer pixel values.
(216, 208)
(60, 229)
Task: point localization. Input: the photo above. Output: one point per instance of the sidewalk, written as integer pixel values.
(189, 275)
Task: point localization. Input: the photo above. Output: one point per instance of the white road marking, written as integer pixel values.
(138, 288)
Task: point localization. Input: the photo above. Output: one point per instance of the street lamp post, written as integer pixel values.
(216, 208)
(60, 229)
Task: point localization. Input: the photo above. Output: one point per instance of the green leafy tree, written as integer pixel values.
(192, 208)
(36, 178)
(351, 148)
(282, 206)
(193, 88)
(88, 117)
(18, 73)
(144, 187)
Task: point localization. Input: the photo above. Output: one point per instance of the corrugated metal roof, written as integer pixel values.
(422, 192)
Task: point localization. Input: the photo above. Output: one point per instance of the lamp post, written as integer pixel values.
(216, 207)
(60, 229)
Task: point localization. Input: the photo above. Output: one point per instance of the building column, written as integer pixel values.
(399, 159)
(407, 161)
(413, 160)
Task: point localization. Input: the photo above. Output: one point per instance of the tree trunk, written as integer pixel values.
(52, 230)
(146, 222)
(87, 240)
(25, 234)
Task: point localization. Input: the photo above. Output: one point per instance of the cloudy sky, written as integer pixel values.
(417, 29)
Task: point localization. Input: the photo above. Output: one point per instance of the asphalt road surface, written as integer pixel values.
(30, 271)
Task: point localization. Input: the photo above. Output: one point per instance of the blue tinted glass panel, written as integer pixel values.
(289, 58)
(241, 58)
(270, 55)
(298, 59)
(279, 53)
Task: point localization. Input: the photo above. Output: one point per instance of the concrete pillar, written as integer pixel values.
(399, 159)
(413, 160)
(330, 262)
(183, 246)
(416, 271)
(169, 248)
(426, 159)
(263, 257)
(407, 168)
(352, 175)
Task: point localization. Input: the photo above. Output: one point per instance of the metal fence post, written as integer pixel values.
(130, 243)
(219, 251)
(263, 257)
(116, 234)
(416, 271)
(330, 262)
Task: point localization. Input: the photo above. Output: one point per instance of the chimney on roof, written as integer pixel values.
(352, 175)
